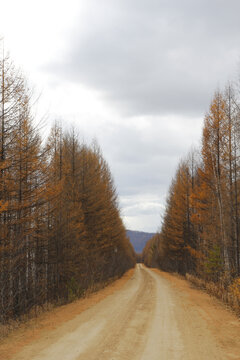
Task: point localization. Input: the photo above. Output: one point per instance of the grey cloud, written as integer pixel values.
(143, 208)
(154, 57)
(150, 59)
(144, 160)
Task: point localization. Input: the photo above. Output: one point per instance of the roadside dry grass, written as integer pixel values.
(221, 320)
(23, 333)
(230, 295)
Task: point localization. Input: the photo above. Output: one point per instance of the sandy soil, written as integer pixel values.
(151, 316)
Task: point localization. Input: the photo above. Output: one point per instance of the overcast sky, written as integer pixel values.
(138, 75)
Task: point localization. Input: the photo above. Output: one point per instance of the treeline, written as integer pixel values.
(200, 233)
(60, 225)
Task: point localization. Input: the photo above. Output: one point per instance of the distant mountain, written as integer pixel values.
(139, 239)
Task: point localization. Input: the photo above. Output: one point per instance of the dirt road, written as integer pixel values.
(147, 319)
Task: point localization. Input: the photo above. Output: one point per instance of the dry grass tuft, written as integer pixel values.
(228, 294)
(11, 325)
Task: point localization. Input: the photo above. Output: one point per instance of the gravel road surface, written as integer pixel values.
(146, 319)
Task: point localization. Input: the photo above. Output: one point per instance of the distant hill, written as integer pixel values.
(139, 239)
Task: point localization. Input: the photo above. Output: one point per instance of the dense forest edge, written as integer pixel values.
(200, 232)
(60, 225)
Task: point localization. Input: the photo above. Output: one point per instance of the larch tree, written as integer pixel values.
(60, 224)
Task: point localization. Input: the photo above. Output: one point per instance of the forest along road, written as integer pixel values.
(148, 318)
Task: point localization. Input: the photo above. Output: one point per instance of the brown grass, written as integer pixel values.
(230, 295)
(223, 324)
(21, 333)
